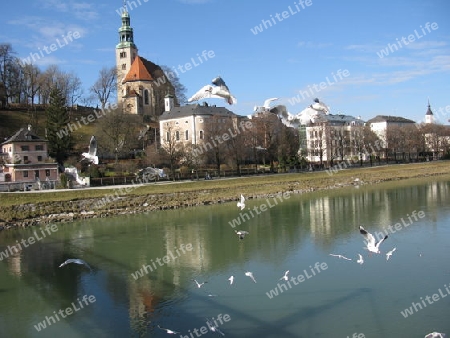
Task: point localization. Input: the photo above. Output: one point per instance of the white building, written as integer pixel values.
(380, 123)
(333, 137)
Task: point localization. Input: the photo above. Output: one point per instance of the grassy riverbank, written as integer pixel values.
(35, 208)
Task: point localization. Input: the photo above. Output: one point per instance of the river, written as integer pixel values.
(141, 269)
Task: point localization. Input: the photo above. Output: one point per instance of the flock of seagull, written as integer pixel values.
(371, 245)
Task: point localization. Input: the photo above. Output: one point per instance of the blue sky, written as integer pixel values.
(293, 52)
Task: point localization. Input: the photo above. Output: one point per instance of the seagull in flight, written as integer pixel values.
(435, 335)
(220, 91)
(340, 256)
(360, 259)
(389, 253)
(285, 277)
(250, 274)
(266, 105)
(199, 285)
(169, 331)
(372, 246)
(91, 156)
(231, 279)
(76, 261)
(241, 203)
(241, 233)
(320, 106)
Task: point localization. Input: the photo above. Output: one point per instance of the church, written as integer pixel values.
(141, 84)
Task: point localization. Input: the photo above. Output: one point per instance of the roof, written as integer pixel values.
(24, 135)
(138, 71)
(341, 118)
(195, 109)
(390, 119)
(429, 112)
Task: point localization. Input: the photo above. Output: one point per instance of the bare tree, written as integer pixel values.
(32, 83)
(117, 132)
(10, 72)
(216, 126)
(171, 148)
(180, 89)
(106, 85)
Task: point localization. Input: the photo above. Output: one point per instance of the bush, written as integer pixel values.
(64, 180)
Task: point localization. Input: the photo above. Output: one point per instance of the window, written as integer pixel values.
(124, 66)
(187, 134)
(39, 147)
(177, 135)
(146, 100)
(167, 136)
(25, 159)
(201, 134)
(39, 158)
(47, 172)
(25, 148)
(123, 55)
(25, 174)
(36, 173)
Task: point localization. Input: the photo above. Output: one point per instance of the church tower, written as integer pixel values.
(168, 102)
(429, 117)
(126, 51)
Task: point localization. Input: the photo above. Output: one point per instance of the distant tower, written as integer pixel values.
(168, 102)
(429, 117)
(126, 51)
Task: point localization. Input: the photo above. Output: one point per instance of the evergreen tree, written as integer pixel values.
(59, 143)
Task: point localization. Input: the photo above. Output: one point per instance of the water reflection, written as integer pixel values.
(301, 229)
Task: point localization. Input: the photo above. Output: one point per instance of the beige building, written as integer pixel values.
(333, 137)
(25, 159)
(196, 124)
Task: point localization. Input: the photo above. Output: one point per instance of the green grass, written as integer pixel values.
(250, 186)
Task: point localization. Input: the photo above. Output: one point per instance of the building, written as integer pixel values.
(25, 159)
(380, 124)
(333, 137)
(437, 136)
(200, 126)
(429, 116)
(141, 84)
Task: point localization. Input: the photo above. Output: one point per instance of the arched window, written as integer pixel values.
(177, 135)
(167, 136)
(187, 134)
(201, 134)
(146, 99)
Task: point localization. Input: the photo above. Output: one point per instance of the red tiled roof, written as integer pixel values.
(138, 72)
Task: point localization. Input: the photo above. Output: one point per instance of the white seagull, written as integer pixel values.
(320, 106)
(91, 156)
(360, 259)
(435, 335)
(241, 203)
(340, 256)
(266, 106)
(220, 91)
(231, 279)
(199, 285)
(241, 233)
(169, 331)
(389, 253)
(372, 246)
(249, 274)
(285, 277)
(76, 261)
